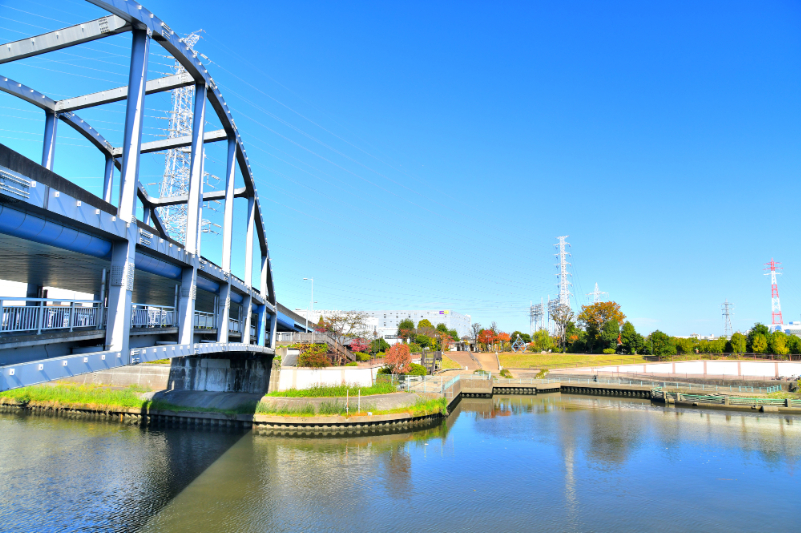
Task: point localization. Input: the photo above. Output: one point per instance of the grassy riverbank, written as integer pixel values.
(421, 407)
(450, 364)
(103, 398)
(334, 391)
(559, 360)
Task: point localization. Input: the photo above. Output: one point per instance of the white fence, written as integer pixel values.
(44, 314)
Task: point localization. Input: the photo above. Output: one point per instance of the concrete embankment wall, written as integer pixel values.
(750, 369)
(155, 377)
(191, 373)
(303, 378)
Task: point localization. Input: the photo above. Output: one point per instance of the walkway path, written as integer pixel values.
(463, 359)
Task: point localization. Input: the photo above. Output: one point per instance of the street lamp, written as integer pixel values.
(311, 303)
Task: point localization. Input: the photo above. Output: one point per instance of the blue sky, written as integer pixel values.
(427, 154)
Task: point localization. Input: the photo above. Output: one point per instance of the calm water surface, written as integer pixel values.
(549, 462)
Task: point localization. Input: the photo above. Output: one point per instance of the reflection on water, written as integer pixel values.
(548, 462)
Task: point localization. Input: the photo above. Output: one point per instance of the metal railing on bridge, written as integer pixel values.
(152, 316)
(45, 314)
(34, 315)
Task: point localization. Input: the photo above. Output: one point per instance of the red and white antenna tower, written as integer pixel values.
(775, 305)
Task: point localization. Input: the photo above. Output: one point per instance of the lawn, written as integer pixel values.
(100, 397)
(559, 360)
(448, 363)
(421, 407)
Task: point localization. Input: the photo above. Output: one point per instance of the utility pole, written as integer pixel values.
(596, 294)
(775, 305)
(727, 312)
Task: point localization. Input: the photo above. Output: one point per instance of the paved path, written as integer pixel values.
(463, 359)
(488, 361)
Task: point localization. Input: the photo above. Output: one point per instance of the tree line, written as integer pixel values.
(602, 327)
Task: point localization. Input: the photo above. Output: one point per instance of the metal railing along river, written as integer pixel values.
(44, 314)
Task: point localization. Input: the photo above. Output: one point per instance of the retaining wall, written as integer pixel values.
(752, 369)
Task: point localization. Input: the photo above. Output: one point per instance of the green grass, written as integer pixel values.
(333, 391)
(421, 407)
(90, 395)
(450, 364)
(160, 362)
(98, 396)
(557, 360)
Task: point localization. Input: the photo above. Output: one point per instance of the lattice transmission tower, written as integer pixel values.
(728, 311)
(596, 294)
(177, 161)
(537, 316)
(563, 275)
(775, 304)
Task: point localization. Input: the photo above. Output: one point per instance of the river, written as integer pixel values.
(511, 463)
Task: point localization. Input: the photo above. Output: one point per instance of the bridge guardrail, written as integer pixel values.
(152, 316)
(46, 314)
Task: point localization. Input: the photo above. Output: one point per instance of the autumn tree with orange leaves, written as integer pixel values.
(399, 358)
(486, 336)
(594, 317)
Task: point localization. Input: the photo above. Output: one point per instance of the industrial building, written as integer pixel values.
(385, 322)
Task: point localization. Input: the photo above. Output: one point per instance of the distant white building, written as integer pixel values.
(791, 328)
(385, 323)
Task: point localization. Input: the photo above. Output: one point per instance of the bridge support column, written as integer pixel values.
(120, 291)
(108, 178)
(273, 329)
(118, 326)
(49, 144)
(186, 304)
(261, 326)
(224, 311)
(248, 303)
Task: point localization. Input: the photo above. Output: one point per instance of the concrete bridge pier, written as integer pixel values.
(233, 374)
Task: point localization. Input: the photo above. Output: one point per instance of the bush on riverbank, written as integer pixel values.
(421, 407)
(332, 391)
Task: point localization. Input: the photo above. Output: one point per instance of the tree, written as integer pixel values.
(524, 336)
(475, 327)
(494, 327)
(399, 359)
(379, 345)
(562, 314)
(793, 344)
(486, 336)
(631, 340)
(778, 343)
(610, 334)
(758, 329)
(442, 327)
(424, 340)
(425, 323)
(359, 345)
(541, 341)
(593, 317)
(406, 327)
(759, 343)
(738, 343)
(502, 338)
(453, 334)
(662, 344)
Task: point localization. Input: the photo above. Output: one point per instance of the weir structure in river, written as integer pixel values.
(154, 297)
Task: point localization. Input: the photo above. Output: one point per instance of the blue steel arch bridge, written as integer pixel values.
(153, 297)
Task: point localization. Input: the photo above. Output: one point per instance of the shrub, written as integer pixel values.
(314, 360)
(380, 355)
(352, 363)
(417, 370)
(609, 350)
(415, 348)
(506, 374)
(361, 356)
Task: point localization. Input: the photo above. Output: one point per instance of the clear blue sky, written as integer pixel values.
(427, 154)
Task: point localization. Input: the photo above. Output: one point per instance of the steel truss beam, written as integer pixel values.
(176, 142)
(63, 38)
(166, 83)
